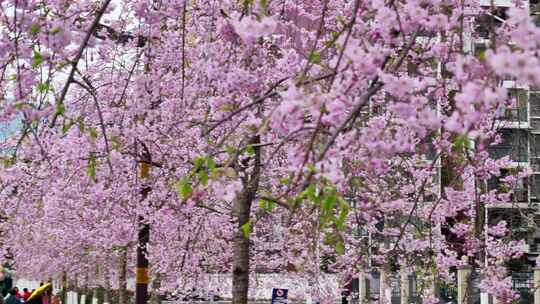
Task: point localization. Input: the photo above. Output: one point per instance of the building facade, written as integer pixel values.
(519, 128)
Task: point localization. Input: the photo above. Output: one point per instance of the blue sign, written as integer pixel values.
(279, 296)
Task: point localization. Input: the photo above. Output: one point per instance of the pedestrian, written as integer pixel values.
(55, 299)
(17, 293)
(26, 294)
(12, 298)
(45, 297)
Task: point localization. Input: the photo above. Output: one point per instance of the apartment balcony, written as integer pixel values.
(519, 199)
(498, 3)
(518, 156)
(534, 248)
(518, 115)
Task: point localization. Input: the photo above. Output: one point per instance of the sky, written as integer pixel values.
(8, 128)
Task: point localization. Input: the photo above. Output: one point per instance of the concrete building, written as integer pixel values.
(520, 131)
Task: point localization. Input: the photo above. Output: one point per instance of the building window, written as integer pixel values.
(518, 112)
(535, 187)
(490, 19)
(520, 189)
(535, 104)
(514, 144)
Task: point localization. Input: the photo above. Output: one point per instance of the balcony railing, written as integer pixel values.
(520, 196)
(515, 114)
(515, 153)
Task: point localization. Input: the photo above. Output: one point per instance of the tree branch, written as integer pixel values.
(77, 58)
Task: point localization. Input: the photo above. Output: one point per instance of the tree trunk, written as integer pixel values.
(242, 209)
(156, 285)
(95, 296)
(96, 287)
(64, 287)
(107, 289)
(122, 277)
(241, 254)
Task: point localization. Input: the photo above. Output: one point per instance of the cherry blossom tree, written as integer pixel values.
(317, 121)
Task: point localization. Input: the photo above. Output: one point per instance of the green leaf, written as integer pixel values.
(250, 150)
(340, 221)
(115, 142)
(230, 150)
(211, 164)
(340, 248)
(460, 141)
(60, 109)
(309, 192)
(81, 124)
(264, 6)
(93, 133)
(247, 3)
(183, 188)
(311, 168)
(8, 162)
(198, 163)
(267, 205)
(315, 57)
(329, 200)
(35, 29)
(37, 59)
(335, 36)
(43, 87)
(246, 229)
(203, 177)
(19, 105)
(91, 169)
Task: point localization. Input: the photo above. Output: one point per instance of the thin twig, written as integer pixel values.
(75, 61)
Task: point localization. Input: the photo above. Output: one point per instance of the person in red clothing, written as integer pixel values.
(26, 294)
(18, 295)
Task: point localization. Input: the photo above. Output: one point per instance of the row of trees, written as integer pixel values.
(255, 136)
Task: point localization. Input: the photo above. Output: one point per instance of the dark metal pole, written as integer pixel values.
(142, 278)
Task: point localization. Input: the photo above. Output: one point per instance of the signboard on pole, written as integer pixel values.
(279, 296)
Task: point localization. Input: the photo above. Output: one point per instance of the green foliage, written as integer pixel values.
(60, 109)
(329, 200)
(264, 6)
(37, 59)
(250, 150)
(93, 133)
(91, 169)
(246, 229)
(8, 161)
(115, 142)
(267, 205)
(203, 177)
(344, 212)
(230, 150)
(315, 57)
(339, 247)
(35, 29)
(183, 188)
(460, 142)
(334, 211)
(43, 87)
(204, 168)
